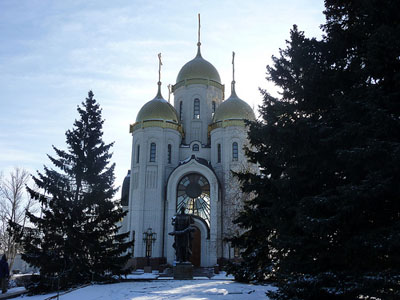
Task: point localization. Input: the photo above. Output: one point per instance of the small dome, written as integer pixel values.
(198, 68)
(233, 108)
(157, 109)
(125, 189)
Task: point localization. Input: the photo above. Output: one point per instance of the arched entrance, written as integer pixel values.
(196, 248)
(195, 186)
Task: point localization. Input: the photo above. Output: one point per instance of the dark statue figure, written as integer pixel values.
(183, 236)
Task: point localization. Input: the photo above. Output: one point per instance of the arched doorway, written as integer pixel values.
(195, 186)
(196, 248)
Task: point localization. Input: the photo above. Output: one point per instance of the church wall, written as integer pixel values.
(186, 151)
(148, 182)
(196, 129)
(231, 195)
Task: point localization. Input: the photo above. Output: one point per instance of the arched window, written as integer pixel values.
(137, 153)
(153, 152)
(180, 110)
(235, 153)
(219, 153)
(193, 193)
(169, 153)
(196, 109)
(195, 147)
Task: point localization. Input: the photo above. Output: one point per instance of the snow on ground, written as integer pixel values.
(222, 275)
(165, 290)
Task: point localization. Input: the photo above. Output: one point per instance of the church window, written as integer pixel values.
(153, 152)
(219, 153)
(133, 244)
(180, 110)
(195, 147)
(235, 153)
(193, 193)
(169, 153)
(196, 109)
(137, 153)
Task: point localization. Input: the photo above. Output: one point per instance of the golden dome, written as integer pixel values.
(157, 109)
(233, 108)
(198, 68)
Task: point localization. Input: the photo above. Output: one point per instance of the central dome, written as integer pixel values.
(198, 68)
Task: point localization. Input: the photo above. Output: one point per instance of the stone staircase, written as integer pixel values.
(197, 272)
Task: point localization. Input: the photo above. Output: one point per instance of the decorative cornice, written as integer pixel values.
(156, 123)
(226, 123)
(207, 82)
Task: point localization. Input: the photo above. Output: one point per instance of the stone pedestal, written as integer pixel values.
(183, 271)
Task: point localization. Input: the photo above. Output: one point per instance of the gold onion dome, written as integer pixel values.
(233, 108)
(157, 109)
(198, 68)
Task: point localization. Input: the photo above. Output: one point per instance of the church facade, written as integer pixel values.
(182, 156)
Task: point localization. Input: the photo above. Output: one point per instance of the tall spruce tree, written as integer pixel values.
(328, 194)
(75, 238)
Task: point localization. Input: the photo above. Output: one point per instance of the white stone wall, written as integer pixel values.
(196, 129)
(147, 187)
(232, 198)
(186, 151)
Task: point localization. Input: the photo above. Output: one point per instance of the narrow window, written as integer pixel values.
(235, 153)
(219, 153)
(213, 107)
(137, 153)
(169, 153)
(133, 243)
(195, 147)
(180, 110)
(196, 109)
(153, 152)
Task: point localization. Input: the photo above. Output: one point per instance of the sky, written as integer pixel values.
(53, 52)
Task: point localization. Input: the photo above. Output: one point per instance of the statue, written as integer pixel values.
(183, 236)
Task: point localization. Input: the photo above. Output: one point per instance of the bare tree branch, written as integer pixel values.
(14, 203)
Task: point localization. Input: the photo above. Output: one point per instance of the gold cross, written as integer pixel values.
(159, 67)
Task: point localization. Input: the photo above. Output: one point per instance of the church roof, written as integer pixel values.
(125, 189)
(198, 68)
(157, 109)
(233, 108)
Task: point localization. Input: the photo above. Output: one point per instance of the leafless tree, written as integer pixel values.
(14, 202)
(235, 199)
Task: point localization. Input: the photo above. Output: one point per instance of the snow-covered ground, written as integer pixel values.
(165, 290)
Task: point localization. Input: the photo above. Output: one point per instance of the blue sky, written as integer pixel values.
(53, 52)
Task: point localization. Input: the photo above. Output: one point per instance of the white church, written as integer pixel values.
(182, 155)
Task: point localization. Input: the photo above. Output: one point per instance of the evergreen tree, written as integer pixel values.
(76, 237)
(327, 197)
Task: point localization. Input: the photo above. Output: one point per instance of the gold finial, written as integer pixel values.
(169, 92)
(198, 34)
(233, 66)
(159, 76)
(159, 67)
(233, 92)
